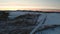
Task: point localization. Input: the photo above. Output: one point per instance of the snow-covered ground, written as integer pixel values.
(51, 19)
(50, 31)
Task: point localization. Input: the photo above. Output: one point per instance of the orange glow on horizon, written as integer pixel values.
(19, 8)
(24, 8)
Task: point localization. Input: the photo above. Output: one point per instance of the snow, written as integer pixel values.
(12, 15)
(51, 19)
(50, 31)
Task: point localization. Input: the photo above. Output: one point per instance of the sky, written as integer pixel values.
(29, 4)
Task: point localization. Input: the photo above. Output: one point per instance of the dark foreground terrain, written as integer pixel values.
(24, 22)
(21, 24)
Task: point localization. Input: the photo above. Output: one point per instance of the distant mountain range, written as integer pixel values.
(39, 10)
